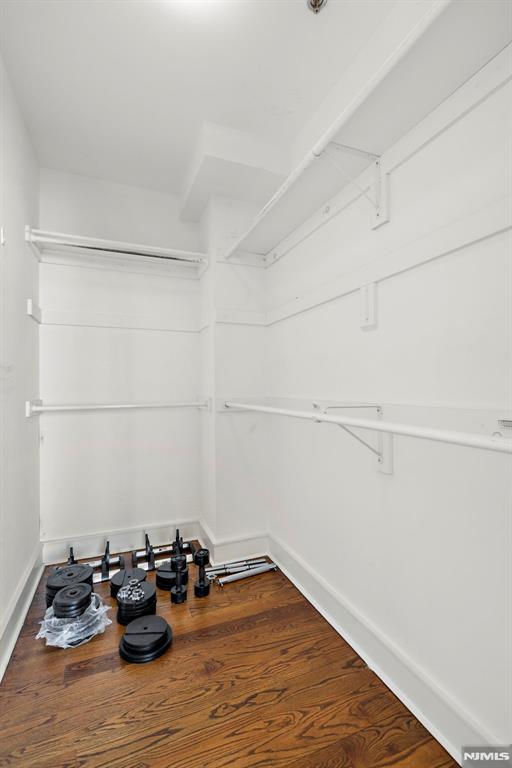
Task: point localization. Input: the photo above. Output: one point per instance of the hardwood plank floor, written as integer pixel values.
(255, 677)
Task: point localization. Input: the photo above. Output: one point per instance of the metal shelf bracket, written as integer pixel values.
(379, 196)
(384, 449)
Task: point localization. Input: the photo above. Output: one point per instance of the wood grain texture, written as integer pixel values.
(255, 677)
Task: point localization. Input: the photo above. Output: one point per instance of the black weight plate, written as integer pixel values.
(202, 557)
(145, 639)
(129, 609)
(72, 601)
(68, 574)
(166, 577)
(202, 589)
(149, 590)
(122, 577)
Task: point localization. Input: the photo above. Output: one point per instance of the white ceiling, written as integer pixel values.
(120, 89)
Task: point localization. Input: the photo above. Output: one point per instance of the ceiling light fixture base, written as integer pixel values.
(316, 5)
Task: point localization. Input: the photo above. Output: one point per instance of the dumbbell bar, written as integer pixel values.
(235, 567)
(238, 569)
(244, 575)
(104, 565)
(235, 564)
(99, 577)
(177, 547)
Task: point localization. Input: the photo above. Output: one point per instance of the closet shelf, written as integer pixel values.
(34, 407)
(467, 439)
(44, 242)
(381, 105)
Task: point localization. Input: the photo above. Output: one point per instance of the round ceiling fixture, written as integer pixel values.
(316, 5)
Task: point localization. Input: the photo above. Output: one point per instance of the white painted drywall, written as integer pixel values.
(80, 205)
(19, 482)
(116, 335)
(422, 555)
(232, 295)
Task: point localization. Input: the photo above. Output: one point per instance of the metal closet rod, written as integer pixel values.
(467, 439)
(40, 239)
(41, 408)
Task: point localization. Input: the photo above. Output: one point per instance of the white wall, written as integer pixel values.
(19, 485)
(97, 208)
(234, 507)
(420, 557)
(116, 335)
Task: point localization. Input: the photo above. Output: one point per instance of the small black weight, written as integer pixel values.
(166, 577)
(72, 601)
(66, 575)
(122, 577)
(129, 608)
(145, 639)
(202, 585)
(179, 591)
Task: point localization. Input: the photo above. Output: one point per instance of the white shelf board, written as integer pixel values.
(419, 81)
(58, 242)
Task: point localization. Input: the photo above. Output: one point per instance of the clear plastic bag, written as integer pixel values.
(69, 633)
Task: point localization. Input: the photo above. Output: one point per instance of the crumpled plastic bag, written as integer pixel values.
(69, 633)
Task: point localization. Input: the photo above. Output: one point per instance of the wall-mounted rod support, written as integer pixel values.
(325, 408)
(360, 440)
(354, 150)
(349, 177)
(33, 407)
(467, 439)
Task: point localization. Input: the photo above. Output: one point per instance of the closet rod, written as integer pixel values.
(501, 445)
(42, 240)
(38, 407)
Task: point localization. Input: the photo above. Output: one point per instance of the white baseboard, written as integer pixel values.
(17, 609)
(92, 544)
(230, 548)
(442, 716)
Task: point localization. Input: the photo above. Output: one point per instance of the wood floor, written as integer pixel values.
(255, 677)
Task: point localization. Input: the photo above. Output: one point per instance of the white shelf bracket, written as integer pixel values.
(384, 449)
(33, 311)
(32, 407)
(381, 196)
(368, 296)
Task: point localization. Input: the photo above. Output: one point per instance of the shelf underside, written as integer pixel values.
(458, 43)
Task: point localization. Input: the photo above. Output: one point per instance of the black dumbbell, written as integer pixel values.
(179, 591)
(202, 585)
(178, 545)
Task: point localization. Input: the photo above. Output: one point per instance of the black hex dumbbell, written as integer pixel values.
(202, 585)
(179, 591)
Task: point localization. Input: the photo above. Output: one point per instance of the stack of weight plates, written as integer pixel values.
(129, 609)
(122, 577)
(145, 639)
(166, 577)
(65, 576)
(71, 601)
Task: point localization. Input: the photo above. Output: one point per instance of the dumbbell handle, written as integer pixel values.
(251, 572)
(236, 563)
